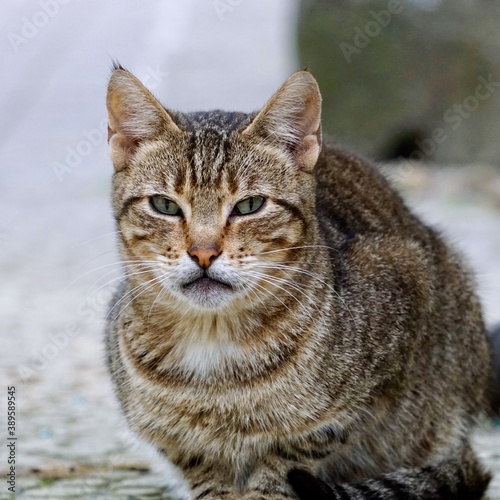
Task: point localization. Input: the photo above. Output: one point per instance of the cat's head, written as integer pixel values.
(215, 204)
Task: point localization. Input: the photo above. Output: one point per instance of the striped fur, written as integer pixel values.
(342, 354)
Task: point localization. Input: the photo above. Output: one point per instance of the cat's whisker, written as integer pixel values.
(121, 277)
(253, 289)
(147, 285)
(94, 258)
(255, 283)
(291, 283)
(280, 266)
(151, 284)
(277, 266)
(159, 295)
(294, 313)
(126, 268)
(118, 264)
(286, 262)
(273, 279)
(311, 274)
(314, 276)
(296, 248)
(96, 238)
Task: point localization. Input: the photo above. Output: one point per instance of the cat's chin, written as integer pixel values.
(208, 293)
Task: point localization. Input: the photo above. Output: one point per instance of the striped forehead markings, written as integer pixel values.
(209, 156)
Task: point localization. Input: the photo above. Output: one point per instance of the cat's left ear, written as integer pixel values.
(292, 119)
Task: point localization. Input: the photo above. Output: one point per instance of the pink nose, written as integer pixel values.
(204, 257)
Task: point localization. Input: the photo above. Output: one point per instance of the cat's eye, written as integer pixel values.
(165, 206)
(248, 205)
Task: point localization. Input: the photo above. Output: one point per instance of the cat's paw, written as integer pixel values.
(308, 487)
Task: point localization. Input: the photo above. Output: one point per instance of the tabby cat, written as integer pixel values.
(286, 327)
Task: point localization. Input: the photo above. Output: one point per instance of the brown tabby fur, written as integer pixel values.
(351, 344)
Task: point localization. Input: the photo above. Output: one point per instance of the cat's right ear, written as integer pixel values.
(134, 115)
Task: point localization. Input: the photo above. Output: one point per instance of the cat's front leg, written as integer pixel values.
(267, 481)
(209, 482)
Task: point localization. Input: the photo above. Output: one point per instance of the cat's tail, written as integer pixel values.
(494, 335)
(459, 478)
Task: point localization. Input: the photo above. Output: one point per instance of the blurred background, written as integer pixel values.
(414, 85)
(395, 72)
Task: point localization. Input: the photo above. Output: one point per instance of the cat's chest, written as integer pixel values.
(214, 417)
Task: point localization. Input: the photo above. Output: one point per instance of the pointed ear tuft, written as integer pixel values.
(115, 64)
(292, 119)
(134, 115)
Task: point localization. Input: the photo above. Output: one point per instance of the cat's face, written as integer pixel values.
(213, 204)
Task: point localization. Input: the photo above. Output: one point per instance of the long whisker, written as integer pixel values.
(117, 263)
(248, 287)
(302, 271)
(255, 283)
(116, 279)
(151, 284)
(96, 238)
(272, 280)
(269, 279)
(145, 286)
(158, 295)
(126, 268)
(309, 263)
(277, 279)
(94, 258)
(161, 293)
(296, 248)
(314, 276)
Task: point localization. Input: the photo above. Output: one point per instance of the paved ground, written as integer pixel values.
(58, 260)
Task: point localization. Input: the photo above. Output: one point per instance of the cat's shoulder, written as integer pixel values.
(358, 196)
(338, 164)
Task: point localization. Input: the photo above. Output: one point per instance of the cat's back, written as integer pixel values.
(386, 263)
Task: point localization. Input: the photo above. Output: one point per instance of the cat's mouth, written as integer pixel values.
(205, 284)
(208, 292)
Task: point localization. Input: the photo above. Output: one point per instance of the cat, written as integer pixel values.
(286, 327)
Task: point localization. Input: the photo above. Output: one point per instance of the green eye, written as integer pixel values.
(249, 205)
(165, 206)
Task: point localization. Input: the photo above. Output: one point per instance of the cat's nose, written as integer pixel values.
(204, 257)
